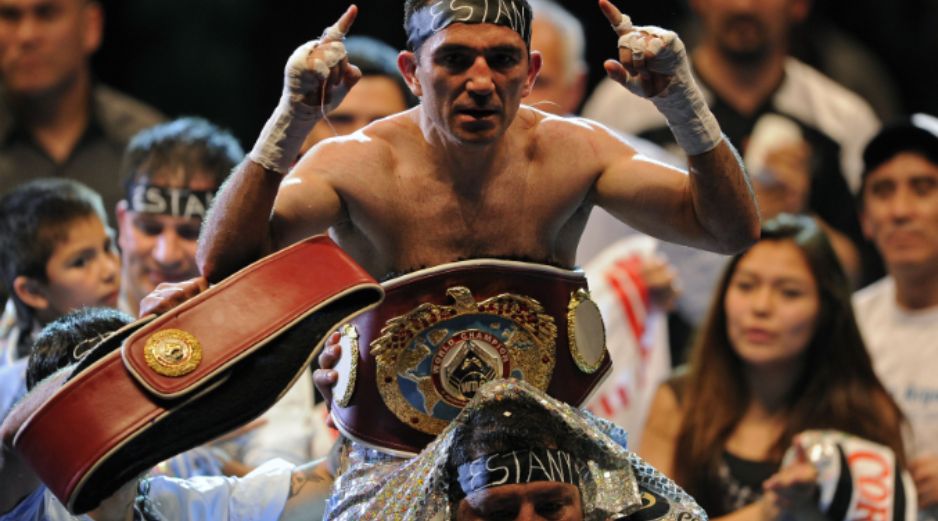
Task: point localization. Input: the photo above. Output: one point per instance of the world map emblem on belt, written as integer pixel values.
(431, 360)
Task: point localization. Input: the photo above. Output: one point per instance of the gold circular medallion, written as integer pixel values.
(586, 332)
(172, 352)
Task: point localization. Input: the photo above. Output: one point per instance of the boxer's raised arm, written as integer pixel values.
(714, 206)
(711, 207)
(316, 78)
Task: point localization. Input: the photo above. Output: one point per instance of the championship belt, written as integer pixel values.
(409, 366)
(159, 387)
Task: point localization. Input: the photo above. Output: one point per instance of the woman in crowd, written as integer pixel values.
(780, 353)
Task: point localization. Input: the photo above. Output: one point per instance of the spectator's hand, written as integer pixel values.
(924, 470)
(791, 493)
(326, 377)
(784, 184)
(168, 295)
(662, 282)
(319, 72)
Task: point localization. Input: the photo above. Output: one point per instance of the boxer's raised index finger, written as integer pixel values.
(615, 17)
(339, 29)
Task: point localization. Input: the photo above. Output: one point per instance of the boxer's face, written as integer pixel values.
(771, 304)
(45, 43)
(900, 212)
(747, 30)
(539, 500)
(471, 78)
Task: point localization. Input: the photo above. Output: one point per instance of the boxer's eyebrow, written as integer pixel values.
(458, 47)
(458, 56)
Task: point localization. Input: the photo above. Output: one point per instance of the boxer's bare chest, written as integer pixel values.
(417, 215)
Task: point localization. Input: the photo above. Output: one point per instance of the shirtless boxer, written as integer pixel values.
(470, 172)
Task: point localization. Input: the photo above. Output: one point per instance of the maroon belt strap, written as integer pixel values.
(202, 369)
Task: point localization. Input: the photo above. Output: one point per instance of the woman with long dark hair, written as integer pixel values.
(780, 353)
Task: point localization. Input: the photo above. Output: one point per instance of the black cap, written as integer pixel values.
(917, 133)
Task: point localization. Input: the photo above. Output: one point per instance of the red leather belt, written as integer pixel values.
(206, 367)
(408, 366)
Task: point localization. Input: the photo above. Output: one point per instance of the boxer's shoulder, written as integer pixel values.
(369, 146)
(570, 142)
(570, 130)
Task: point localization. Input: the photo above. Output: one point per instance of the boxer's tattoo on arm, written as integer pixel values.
(303, 476)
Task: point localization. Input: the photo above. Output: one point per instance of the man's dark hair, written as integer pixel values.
(916, 134)
(65, 340)
(175, 152)
(504, 427)
(34, 217)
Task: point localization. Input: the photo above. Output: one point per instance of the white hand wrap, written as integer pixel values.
(681, 102)
(283, 135)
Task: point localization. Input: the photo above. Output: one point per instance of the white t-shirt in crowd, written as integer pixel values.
(904, 347)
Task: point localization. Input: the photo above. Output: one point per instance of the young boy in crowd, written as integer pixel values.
(56, 255)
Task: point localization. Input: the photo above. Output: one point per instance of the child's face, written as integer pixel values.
(84, 270)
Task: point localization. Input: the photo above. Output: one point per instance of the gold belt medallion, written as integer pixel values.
(431, 361)
(172, 352)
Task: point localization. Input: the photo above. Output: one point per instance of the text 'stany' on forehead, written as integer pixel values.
(440, 14)
(175, 202)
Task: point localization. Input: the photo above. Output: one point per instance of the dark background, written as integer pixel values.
(223, 59)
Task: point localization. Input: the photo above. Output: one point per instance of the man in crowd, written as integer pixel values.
(55, 120)
(559, 37)
(516, 454)
(899, 314)
(170, 175)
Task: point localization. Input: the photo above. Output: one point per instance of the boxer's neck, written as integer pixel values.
(470, 166)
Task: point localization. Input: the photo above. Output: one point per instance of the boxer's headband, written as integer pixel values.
(176, 202)
(440, 14)
(519, 467)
